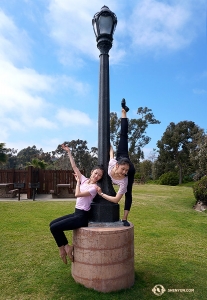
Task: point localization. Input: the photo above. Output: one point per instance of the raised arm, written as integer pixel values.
(72, 162)
(111, 152)
(78, 193)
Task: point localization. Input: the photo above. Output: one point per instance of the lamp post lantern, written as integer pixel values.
(104, 24)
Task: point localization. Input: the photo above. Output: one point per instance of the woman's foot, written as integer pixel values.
(125, 217)
(123, 105)
(125, 223)
(63, 254)
(69, 250)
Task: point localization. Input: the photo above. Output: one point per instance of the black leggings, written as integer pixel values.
(69, 222)
(122, 151)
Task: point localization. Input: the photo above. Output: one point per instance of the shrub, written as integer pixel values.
(188, 178)
(200, 189)
(156, 181)
(169, 178)
(137, 176)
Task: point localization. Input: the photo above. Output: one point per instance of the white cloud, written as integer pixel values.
(23, 99)
(47, 144)
(4, 132)
(12, 124)
(14, 43)
(25, 94)
(71, 118)
(29, 100)
(43, 123)
(144, 25)
(156, 24)
(20, 89)
(50, 144)
(78, 87)
(71, 27)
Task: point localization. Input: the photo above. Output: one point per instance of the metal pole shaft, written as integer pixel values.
(101, 209)
(104, 122)
(104, 110)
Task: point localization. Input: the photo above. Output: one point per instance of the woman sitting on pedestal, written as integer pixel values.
(121, 170)
(85, 192)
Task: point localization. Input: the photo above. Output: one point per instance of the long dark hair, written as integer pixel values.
(123, 161)
(100, 167)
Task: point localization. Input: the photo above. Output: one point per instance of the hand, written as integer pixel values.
(99, 190)
(111, 152)
(66, 148)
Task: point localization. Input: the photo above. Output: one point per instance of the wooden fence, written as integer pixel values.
(48, 179)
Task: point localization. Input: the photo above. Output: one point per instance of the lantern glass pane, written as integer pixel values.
(95, 28)
(105, 24)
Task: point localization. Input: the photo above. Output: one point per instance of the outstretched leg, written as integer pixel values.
(128, 195)
(122, 151)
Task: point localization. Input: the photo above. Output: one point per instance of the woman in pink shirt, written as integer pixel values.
(121, 170)
(85, 192)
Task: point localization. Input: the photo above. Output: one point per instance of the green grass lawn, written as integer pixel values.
(169, 240)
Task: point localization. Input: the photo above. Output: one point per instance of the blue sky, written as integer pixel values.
(49, 67)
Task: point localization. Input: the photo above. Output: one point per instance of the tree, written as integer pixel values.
(145, 168)
(137, 132)
(84, 159)
(152, 157)
(46, 156)
(37, 163)
(12, 158)
(200, 160)
(177, 145)
(3, 156)
(26, 155)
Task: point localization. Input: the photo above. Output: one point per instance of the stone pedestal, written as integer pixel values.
(104, 256)
(104, 212)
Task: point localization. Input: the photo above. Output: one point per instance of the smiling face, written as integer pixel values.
(122, 169)
(96, 175)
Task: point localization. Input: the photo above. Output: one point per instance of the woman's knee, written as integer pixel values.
(50, 225)
(53, 227)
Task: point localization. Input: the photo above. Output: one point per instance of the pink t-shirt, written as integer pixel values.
(122, 183)
(84, 203)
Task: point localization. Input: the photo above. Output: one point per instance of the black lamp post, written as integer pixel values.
(104, 24)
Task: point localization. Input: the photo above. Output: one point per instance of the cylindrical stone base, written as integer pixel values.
(104, 257)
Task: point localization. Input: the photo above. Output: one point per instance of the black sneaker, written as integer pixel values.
(123, 105)
(125, 223)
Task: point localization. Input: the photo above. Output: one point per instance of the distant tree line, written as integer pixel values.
(57, 159)
(182, 150)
